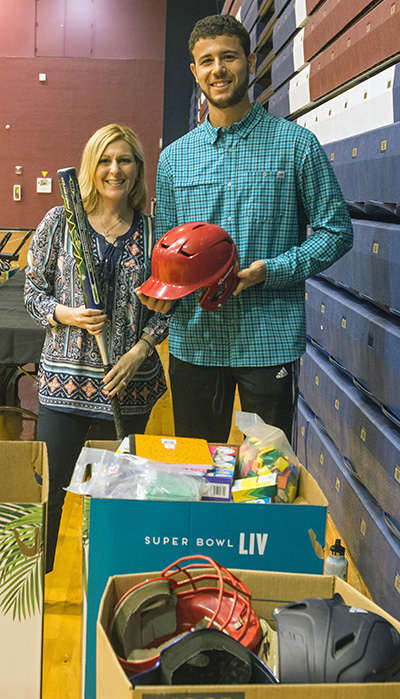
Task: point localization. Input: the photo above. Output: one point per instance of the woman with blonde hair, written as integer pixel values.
(74, 394)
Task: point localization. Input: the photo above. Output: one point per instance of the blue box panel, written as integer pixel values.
(363, 339)
(371, 268)
(255, 34)
(255, 90)
(251, 16)
(303, 418)
(279, 104)
(280, 6)
(249, 6)
(368, 165)
(283, 66)
(375, 551)
(284, 28)
(369, 441)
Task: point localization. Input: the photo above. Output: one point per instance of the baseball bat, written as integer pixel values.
(86, 267)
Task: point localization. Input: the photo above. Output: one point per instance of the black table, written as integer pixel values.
(21, 340)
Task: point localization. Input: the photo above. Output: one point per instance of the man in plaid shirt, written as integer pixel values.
(263, 179)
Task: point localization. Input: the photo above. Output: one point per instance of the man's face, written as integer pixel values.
(222, 70)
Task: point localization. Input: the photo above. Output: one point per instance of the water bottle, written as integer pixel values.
(336, 563)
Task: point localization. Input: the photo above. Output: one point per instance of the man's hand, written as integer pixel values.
(157, 305)
(255, 274)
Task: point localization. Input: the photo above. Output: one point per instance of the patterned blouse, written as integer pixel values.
(71, 371)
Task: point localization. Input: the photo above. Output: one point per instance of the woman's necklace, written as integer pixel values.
(106, 233)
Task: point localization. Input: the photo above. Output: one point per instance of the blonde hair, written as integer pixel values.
(91, 155)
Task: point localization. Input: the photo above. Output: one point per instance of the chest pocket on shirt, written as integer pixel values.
(264, 194)
(199, 197)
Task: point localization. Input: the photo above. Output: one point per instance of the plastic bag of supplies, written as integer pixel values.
(108, 474)
(266, 451)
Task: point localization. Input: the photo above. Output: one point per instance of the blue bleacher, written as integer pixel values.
(284, 28)
(373, 547)
(371, 268)
(368, 165)
(362, 434)
(363, 339)
(283, 66)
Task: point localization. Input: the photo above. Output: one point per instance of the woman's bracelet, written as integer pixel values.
(149, 344)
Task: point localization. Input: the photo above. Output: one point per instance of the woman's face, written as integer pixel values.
(116, 171)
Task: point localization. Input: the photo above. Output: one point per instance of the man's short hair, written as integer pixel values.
(217, 25)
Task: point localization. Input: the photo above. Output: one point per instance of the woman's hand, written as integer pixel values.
(117, 379)
(90, 319)
(153, 304)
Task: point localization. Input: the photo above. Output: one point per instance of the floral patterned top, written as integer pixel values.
(70, 370)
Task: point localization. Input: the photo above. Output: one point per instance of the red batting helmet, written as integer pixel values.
(194, 256)
(194, 592)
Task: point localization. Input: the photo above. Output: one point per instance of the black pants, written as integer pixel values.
(203, 397)
(65, 435)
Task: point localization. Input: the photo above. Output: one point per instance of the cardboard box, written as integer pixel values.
(23, 468)
(269, 590)
(137, 535)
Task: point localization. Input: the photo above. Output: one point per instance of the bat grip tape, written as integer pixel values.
(116, 408)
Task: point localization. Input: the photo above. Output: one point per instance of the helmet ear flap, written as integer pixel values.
(203, 297)
(219, 293)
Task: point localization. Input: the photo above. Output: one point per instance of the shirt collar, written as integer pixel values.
(241, 128)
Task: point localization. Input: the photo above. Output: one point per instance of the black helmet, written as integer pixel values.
(323, 640)
(206, 656)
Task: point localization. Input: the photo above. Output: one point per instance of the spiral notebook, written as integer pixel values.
(187, 451)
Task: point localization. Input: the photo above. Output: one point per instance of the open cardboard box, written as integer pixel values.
(23, 496)
(281, 537)
(139, 535)
(269, 590)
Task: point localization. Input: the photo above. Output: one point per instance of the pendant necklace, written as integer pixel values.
(106, 232)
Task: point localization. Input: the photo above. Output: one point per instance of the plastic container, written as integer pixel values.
(336, 563)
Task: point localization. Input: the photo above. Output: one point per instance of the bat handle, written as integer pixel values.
(119, 426)
(116, 408)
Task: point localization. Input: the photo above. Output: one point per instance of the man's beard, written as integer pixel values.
(235, 98)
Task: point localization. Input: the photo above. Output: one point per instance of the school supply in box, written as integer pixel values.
(256, 488)
(265, 452)
(191, 453)
(219, 481)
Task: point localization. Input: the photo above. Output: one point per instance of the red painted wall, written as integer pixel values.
(104, 64)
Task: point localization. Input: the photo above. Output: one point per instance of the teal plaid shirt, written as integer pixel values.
(263, 180)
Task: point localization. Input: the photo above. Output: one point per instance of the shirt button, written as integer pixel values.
(265, 174)
(229, 218)
(229, 184)
(229, 150)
